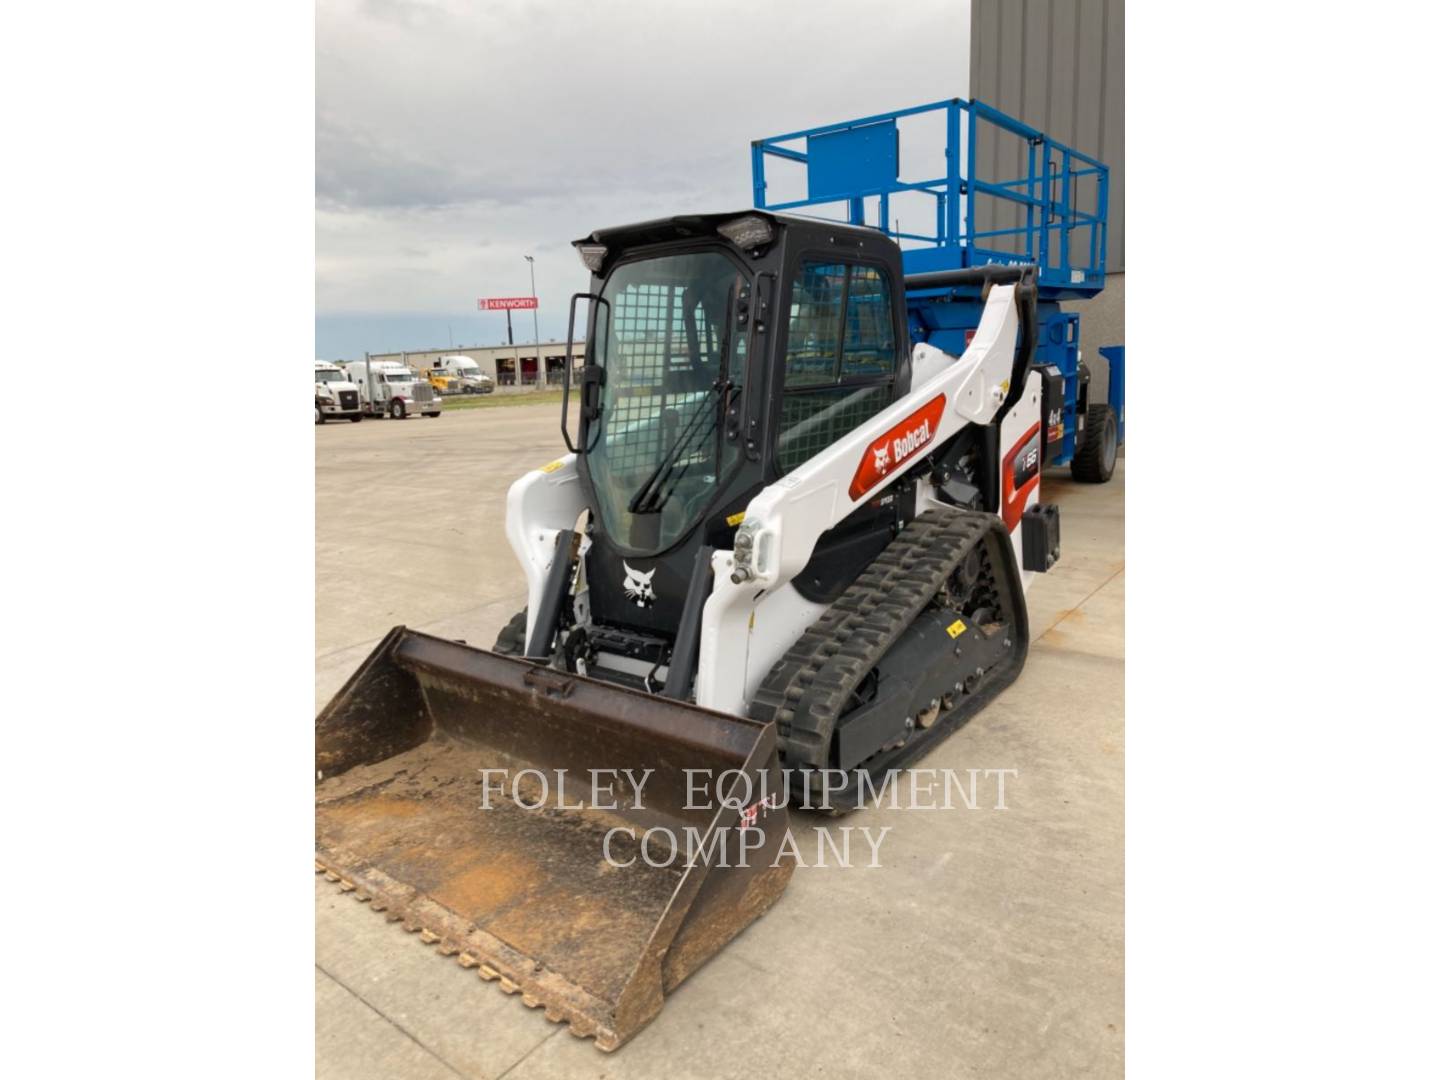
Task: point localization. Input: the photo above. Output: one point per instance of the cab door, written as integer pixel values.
(841, 363)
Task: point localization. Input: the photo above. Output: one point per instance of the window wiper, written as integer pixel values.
(647, 500)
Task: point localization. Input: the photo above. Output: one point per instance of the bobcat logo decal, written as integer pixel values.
(638, 587)
(882, 459)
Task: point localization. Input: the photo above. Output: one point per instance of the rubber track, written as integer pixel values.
(808, 689)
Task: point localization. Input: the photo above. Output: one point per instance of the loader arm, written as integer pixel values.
(784, 521)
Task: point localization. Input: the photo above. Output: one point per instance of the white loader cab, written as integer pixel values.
(389, 388)
(467, 372)
(336, 397)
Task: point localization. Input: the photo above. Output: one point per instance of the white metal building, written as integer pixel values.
(513, 367)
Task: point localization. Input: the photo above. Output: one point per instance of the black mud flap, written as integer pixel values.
(1040, 536)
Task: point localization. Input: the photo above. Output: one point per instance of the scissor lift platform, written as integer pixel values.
(1009, 195)
(1052, 213)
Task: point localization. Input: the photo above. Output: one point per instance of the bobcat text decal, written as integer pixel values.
(898, 445)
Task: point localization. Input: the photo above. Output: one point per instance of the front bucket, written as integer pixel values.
(523, 889)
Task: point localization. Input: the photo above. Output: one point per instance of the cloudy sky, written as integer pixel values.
(454, 138)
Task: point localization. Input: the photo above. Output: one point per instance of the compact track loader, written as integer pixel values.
(785, 551)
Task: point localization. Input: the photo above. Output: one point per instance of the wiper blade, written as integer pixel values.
(647, 500)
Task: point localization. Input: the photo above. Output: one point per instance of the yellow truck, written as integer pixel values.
(442, 382)
(458, 375)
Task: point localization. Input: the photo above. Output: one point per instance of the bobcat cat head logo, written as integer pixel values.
(882, 457)
(638, 587)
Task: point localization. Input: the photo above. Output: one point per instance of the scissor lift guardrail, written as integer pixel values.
(1052, 213)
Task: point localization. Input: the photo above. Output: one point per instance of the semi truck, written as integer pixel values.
(459, 374)
(389, 388)
(336, 397)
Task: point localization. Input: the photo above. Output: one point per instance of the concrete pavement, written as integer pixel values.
(988, 943)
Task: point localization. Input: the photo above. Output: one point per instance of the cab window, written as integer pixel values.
(840, 356)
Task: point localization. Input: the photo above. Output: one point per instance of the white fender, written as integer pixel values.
(537, 507)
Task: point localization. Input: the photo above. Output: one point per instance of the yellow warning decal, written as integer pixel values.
(735, 519)
(552, 466)
(955, 629)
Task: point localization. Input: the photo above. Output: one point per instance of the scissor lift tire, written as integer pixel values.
(1094, 462)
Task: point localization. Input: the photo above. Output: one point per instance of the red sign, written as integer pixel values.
(507, 303)
(898, 445)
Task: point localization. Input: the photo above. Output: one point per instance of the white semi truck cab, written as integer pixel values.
(336, 397)
(389, 388)
(467, 371)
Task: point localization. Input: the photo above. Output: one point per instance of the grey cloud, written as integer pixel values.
(355, 169)
(417, 14)
(455, 136)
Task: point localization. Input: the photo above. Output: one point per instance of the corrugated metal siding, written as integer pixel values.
(1058, 65)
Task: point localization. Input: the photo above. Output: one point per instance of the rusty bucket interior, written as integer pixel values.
(484, 802)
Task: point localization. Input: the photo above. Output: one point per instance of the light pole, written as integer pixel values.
(535, 315)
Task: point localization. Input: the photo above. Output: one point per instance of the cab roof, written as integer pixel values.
(691, 226)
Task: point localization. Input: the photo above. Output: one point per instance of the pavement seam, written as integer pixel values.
(1088, 597)
(345, 648)
(382, 532)
(1049, 648)
(372, 642)
(521, 1059)
(360, 998)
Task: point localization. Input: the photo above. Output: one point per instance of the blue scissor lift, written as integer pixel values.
(1052, 216)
